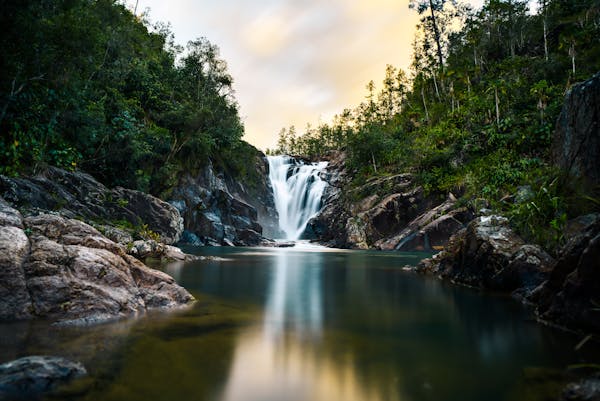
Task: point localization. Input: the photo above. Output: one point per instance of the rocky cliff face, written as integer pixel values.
(488, 254)
(65, 270)
(571, 295)
(220, 210)
(565, 291)
(390, 213)
(79, 195)
(576, 145)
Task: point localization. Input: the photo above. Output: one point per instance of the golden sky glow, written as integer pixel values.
(295, 61)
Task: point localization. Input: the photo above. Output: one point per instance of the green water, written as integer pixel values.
(313, 324)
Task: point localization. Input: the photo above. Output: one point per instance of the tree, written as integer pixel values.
(431, 23)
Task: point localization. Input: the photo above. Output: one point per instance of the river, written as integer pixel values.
(312, 324)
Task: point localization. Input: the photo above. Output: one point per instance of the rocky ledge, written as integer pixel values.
(388, 213)
(65, 270)
(565, 291)
(489, 254)
(118, 212)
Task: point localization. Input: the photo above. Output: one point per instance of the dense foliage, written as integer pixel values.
(477, 115)
(88, 84)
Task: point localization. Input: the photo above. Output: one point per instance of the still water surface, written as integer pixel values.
(312, 324)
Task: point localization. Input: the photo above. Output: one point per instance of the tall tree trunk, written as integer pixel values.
(435, 84)
(545, 38)
(374, 164)
(545, 20)
(572, 54)
(425, 104)
(497, 106)
(438, 39)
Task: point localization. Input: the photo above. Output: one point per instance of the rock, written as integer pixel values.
(79, 195)
(116, 234)
(9, 216)
(159, 216)
(571, 295)
(157, 289)
(587, 389)
(576, 142)
(390, 213)
(146, 249)
(488, 254)
(15, 301)
(65, 270)
(218, 210)
(143, 250)
(430, 230)
(31, 376)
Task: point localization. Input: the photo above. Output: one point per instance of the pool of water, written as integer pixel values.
(309, 323)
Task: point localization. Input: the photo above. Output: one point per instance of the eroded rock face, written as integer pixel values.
(430, 230)
(488, 254)
(576, 146)
(220, 211)
(389, 213)
(31, 376)
(65, 270)
(76, 194)
(571, 295)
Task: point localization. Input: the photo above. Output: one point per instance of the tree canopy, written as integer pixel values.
(477, 115)
(88, 84)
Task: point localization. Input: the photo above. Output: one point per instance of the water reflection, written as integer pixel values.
(294, 299)
(292, 370)
(310, 324)
(287, 357)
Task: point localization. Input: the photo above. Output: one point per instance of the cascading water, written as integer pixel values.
(297, 189)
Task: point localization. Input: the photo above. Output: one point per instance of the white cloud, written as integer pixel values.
(295, 61)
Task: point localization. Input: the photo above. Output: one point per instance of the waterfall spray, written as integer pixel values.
(297, 189)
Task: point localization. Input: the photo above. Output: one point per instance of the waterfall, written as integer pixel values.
(297, 189)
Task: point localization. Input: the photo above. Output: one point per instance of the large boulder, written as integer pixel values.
(571, 295)
(65, 270)
(30, 377)
(489, 254)
(576, 145)
(79, 195)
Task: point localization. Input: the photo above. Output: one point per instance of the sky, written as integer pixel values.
(295, 61)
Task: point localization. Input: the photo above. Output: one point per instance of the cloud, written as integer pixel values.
(267, 33)
(296, 61)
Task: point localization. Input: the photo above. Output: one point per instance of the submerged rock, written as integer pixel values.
(31, 376)
(585, 390)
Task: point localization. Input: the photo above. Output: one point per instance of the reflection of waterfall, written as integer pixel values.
(297, 189)
(294, 299)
